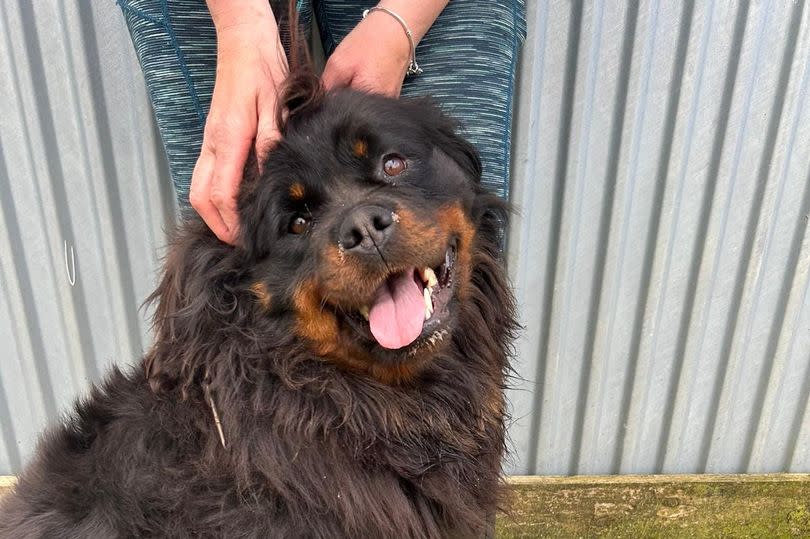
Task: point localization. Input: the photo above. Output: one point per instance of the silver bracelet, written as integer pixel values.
(413, 67)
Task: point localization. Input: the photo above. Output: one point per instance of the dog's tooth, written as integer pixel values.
(364, 312)
(429, 277)
(428, 304)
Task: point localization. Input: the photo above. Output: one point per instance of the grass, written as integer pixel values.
(767, 506)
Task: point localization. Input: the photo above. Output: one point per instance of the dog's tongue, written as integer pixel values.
(398, 312)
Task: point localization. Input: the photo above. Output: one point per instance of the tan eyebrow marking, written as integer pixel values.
(360, 148)
(297, 191)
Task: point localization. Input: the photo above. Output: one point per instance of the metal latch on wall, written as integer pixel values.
(70, 265)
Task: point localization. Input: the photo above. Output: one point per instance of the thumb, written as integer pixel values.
(335, 75)
(228, 171)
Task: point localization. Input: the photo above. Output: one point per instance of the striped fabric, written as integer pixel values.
(469, 59)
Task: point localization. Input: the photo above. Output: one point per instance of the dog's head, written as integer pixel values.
(367, 237)
(362, 228)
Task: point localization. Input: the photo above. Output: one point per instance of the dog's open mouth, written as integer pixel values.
(409, 305)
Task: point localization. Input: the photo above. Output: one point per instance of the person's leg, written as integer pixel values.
(177, 49)
(469, 58)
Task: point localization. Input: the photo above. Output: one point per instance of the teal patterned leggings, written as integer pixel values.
(469, 57)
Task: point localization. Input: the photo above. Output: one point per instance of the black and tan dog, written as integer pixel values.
(339, 373)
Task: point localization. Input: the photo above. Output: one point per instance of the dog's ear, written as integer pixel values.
(462, 152)
(259, 218)
(302, 90)
(445, 132)
(196, 301)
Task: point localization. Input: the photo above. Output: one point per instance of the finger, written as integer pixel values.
(228, 170)
(266, 136)
(377, 83)
(334, 76)
(395, 89)
(199, 194)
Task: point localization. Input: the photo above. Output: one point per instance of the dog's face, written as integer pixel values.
(361, 231)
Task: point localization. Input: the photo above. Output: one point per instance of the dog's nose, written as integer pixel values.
(366, 229)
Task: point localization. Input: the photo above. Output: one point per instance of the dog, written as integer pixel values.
(337, 373)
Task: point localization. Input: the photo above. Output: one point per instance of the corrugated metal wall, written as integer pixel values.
(81, 209)
(661, 255)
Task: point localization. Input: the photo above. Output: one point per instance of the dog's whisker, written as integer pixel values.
(382, 256)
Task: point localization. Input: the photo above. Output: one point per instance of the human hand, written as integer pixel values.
(251, 66)
(373, 57)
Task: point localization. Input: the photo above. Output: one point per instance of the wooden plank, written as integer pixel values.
(6, 482)
(632, 506)
(651, 479)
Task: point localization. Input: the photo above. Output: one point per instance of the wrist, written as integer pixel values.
(419, 15)
(243, 15)
(390, 36)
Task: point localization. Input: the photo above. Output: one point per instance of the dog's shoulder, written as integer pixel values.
(102, 454)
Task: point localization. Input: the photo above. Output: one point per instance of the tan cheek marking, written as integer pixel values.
(420, 235)
(314, 323)
(297, 191)
(343, 274)
(259, 290)
(451, 219)
(423, 235)
(360, 148)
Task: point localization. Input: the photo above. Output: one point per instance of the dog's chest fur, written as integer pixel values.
(299, 455)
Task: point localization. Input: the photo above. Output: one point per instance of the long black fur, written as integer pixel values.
(312, 449)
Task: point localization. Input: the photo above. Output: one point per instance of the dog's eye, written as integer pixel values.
(299, 225)
(394, 165)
